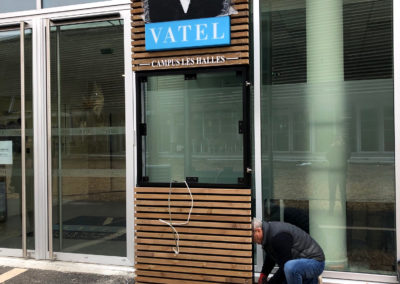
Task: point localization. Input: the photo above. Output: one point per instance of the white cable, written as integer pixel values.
(170, 223)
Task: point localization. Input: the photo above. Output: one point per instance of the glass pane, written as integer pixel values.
(369, 130)
(328, 88)
(58, 3)
(88, 138)
(301, 133)
(10, 141)
(192, 127)
(14, 6)
(389, 128)
(281, 132)
(30, 220)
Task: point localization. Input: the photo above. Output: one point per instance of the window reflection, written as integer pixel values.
(192, 127)
(88, 138)
(14, 6)
(58, 3)
(328, 84)
(10, 141)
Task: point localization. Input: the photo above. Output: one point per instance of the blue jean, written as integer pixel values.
(303, 271)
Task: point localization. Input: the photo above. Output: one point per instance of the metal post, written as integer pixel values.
(257, 121)
(59, 177)
(396, 76)
(49, 167)
(23, 151)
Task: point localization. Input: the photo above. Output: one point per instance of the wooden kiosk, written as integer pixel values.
(215, 246)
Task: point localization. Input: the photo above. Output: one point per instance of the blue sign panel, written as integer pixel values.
(188, 33)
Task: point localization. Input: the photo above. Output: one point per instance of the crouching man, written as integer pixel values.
(299, 257)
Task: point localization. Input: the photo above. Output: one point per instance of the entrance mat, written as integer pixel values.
(92, 227)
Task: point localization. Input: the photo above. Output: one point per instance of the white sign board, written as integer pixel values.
(6, 153)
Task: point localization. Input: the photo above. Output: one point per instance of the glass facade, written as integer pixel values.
(58, 3)
(10, 140)
(24, 5)
(15, 6)
(328, 127)
(88, 138)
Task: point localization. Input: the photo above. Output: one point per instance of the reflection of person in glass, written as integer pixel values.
(337, 156)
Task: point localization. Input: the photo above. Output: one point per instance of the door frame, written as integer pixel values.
(37, 19)
(20, 26)
(46, 233)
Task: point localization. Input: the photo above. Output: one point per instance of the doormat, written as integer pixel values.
(92, 227)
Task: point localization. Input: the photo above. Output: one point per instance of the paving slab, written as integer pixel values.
(4, 269)
(34, 276)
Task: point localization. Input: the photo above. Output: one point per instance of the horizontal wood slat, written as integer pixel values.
(195, 244)
(219, 252)
(182, 229)
(239, 54)
(215, 246)
(197, 197)
(214, 258)
(195, 270)
(143, 60)
(195, 237)
(209, 191)
(180, 217)
(202, 264)
(196, 204)
(199, 224)
(138, 55)
(213, 211)
(143, 280)
(191, 278)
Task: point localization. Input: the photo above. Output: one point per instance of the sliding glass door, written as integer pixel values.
(16, 139)
(88, 138)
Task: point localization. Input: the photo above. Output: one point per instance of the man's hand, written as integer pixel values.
(262, 279)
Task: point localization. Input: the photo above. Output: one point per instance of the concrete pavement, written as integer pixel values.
(23, 276)
(18, 271)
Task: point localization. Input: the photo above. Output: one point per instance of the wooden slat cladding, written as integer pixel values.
(235, 54)
(215, 246)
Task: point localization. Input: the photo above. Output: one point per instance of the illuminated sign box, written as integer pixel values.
(188, 33)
